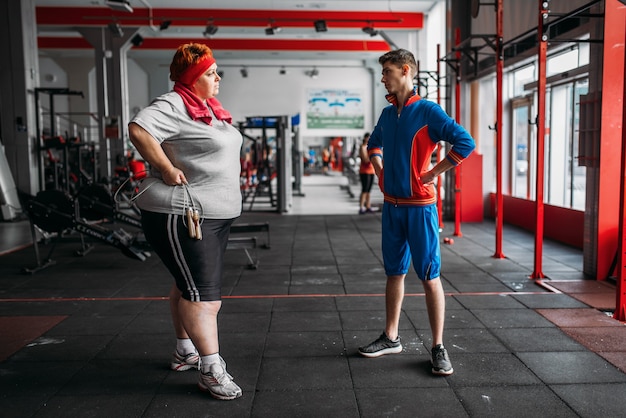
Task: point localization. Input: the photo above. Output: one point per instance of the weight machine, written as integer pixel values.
(55, 212)
(272, 160)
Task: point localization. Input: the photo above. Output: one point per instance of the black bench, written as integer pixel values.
(245, 244)
(252, 227)
(248, 243)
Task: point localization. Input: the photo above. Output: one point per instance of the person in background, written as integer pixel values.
(366, 174)
(400, 149)
(325, 160)
(188, 203)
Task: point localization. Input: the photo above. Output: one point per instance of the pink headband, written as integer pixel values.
(193, 72)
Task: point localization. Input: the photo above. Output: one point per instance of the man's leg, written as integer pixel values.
(394, 295)
(436, 305)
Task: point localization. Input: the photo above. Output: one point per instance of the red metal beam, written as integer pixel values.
(457, 115)
(230, 44)
(99, 16)
(499, 116)
(620, 293)
(439, 147)
(541, 135)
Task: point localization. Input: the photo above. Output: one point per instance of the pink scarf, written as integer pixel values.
(197, 108)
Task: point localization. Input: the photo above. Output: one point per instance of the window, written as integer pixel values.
(522, 77)
(521, 149)
(564, 178)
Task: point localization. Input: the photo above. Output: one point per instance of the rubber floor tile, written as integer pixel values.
(17, 331)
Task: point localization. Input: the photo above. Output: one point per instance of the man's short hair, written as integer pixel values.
(400, 57)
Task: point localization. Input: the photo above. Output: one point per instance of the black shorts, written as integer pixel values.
(366, 182)
(196, 265)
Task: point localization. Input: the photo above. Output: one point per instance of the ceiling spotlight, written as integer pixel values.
(165, 24)
(282, 71)
(211, 29)
(116, 29)
(272, 30)
(137, 40)
(119, 5)
(370, 31)
(244, 72)
(314, 73)
(320, 26)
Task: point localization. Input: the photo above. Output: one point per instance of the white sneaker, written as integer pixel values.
(181, 363)
(219, 383)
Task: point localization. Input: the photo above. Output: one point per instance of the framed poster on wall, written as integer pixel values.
(335, 109)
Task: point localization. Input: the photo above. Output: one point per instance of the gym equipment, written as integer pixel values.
(272, 158)
(245, 243)
(249, 243)
(55, 211)
(96, 202)
(62, 163)
(9, 201)
(253, 227)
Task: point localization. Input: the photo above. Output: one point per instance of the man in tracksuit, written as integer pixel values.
(400, 149)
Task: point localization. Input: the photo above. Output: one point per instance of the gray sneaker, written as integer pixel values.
(383, 345)
(219, 383)
(440, 361)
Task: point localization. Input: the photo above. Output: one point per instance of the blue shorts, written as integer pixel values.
(411, 233)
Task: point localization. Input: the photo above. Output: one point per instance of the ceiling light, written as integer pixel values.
(282, 71)
(137, 40)
(272, 30)
(211, 29)
(314, 73)
(119, 5)
(320, 26)
(165, 24)
(370, 31)
(244, 72)
(116, 29)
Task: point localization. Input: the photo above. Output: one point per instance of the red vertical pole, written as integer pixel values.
(541, 132)
(457, 115)
(499, 156)
(620, 291)
(439, 185)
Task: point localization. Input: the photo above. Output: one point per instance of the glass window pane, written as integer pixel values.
(563, 62)
(521, 77)
(578, 173)
(557, 146)
(521, 154)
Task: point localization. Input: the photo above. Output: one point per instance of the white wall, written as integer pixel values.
(138, 87)
(266, 92)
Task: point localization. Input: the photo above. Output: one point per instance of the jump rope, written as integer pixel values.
(192, 211)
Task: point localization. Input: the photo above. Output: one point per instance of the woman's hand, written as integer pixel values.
(174, 177)
(152, 152)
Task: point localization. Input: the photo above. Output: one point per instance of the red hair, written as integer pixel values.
(188, 56)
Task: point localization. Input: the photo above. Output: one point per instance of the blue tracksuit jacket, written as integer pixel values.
(406, 144)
